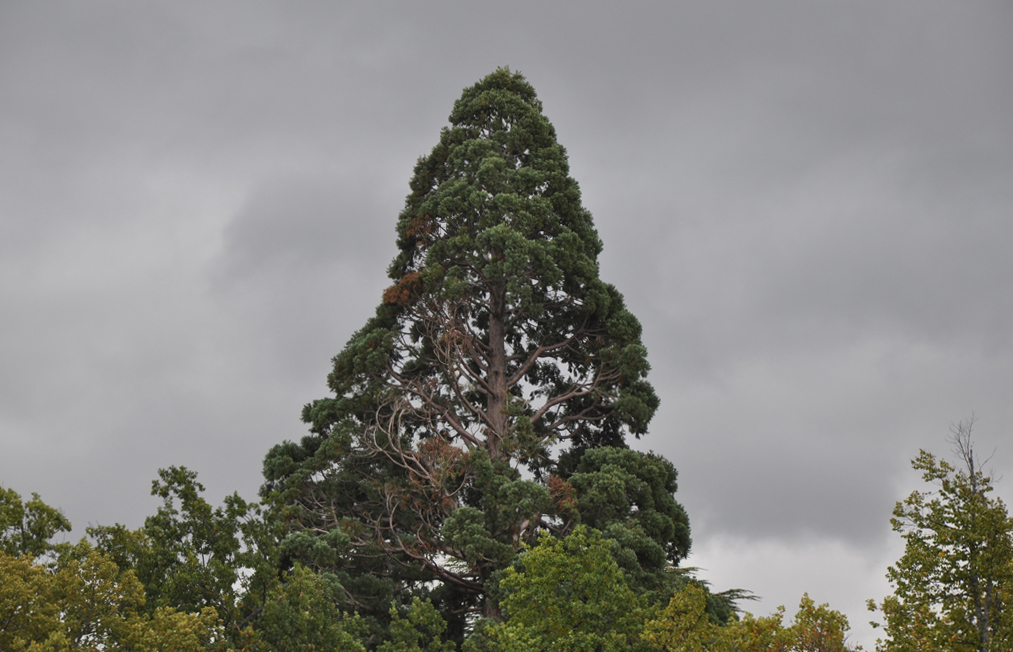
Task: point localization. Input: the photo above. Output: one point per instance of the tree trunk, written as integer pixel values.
(497, 403)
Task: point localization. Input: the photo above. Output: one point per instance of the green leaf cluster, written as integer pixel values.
(26, 528)
(196, 578)
(629, 497)
(568, 595)
(191, 556)
(421, 630)
(86, 602)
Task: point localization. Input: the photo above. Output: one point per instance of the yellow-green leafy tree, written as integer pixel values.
(569, 596)
(685, 626)
(29, 614)
(81, 599)
(952, 586)
(27, 527)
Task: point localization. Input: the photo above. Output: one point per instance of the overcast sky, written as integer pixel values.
(809, 206)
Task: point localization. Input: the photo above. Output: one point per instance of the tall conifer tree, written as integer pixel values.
(496, 347)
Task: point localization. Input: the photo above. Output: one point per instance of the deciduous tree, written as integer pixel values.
(86, 602)
(954, 583)
(27, 527)
(191, 556)
(569, 596)
(301, 615)
(685, 626)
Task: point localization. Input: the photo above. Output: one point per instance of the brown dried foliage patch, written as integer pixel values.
(440, 456)
(562, 494)
(420, 228)
(401, 292)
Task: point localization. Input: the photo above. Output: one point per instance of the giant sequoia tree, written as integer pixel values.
(491, 396)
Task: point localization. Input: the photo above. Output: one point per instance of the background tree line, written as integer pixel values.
(198, 578)
(469, 484)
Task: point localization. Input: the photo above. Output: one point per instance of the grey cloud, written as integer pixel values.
(307, 258)
(309, 222)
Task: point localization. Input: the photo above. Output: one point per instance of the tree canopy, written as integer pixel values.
(467, 414)
(27, 527)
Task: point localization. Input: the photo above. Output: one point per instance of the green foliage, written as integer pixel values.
(191, 556)
(819, 628)
(628, 496)
(96, 600)
(570, 595)
(169, 630)
(27, 527)
(301, 615)
(128, 549)
(685, 626)
(496, 346)
(815, 628)
(421, 631)
(29, 612)
(954, 583)
(88, 603)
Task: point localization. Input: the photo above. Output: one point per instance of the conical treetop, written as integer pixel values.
(496, 347)
(497, 297)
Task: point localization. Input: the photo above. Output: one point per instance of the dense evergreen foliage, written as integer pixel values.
(497, 346)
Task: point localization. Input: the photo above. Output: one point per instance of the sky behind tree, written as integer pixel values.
(808, 207)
